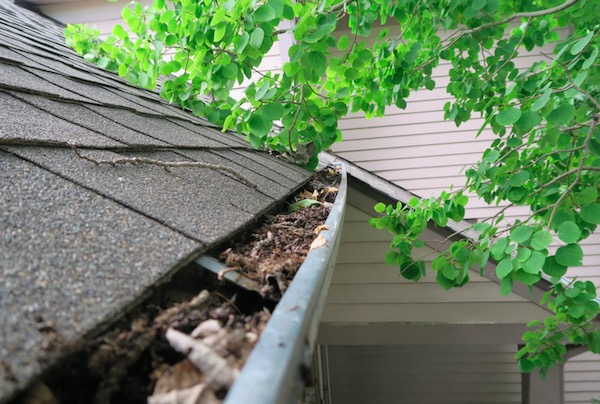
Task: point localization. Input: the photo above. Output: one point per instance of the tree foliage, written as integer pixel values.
(546, 154)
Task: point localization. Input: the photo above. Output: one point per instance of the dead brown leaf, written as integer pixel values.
(180, 376)
(320, 228)
(198, 394)
(318, 242)
(216, 370)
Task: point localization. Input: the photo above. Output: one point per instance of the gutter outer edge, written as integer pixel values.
(274, 370)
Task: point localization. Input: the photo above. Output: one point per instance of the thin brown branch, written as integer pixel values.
(529, 14)
(165, 164)
(295, 120)
(582, 91)
(577, 178)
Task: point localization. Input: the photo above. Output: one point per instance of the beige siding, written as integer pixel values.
(424, 374)
(365, 290)
(582, 379)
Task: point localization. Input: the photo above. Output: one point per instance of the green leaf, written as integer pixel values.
(582, 43)
(304, 203)
(504, 268)
(528, 120)
(264, 13)
(120, 32)
(519, 178)
(594, 341)
(521, 234)
(450, 272)
(576, 311)
(506, 286)
(343, 42)
(411, 271)
(542, 101)
(497, 250)
(230, 70)
(171, 40)
(569, 255)
(523, 254)
(590, 60)
(587, 196)
(540, 240)
(318, 63)
(535, 263)
(508, 116)
(562, 115)
(352, 73)
(553, 268)
(260, 126)
(272, 111)
(444, 282)
(380, 207)
(526, 365)
(220, 31)
(591, 213)
(257, 37)
(439, 263)
(478, 4)
(240, 45)
(143, 79)
(569, 232)
(390, 257)
(527, 278)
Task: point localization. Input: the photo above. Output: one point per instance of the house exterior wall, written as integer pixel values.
(392, 339)
(582, 379)
(415, 374)
(365, 290)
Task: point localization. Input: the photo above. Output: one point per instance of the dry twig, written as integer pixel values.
(166, 164)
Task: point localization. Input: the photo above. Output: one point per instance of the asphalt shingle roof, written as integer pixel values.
(80, 241)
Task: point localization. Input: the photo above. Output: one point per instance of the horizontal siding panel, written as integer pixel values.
(352, 273)
(439, 150)
(392, 169)
(431, 398)
(580, 398)
(85, 12)
(384, 387)
(370, 252)
(401, 350)
(583, 376)
(363, 231)
(422, 374)
(463, 313)
(397, 140)
(370, 132)
(415, 293)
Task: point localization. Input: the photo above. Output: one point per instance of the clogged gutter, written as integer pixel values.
(185, 348)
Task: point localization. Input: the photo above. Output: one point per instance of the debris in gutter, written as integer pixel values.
(273, 253)
(190, 350)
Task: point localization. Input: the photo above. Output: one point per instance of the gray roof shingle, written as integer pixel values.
(80, 241)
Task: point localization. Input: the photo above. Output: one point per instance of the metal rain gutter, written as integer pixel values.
(273, 372)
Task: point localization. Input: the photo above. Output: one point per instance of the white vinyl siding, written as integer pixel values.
(582, 379)
(449, 374)
(365, 290)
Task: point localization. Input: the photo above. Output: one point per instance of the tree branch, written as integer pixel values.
(166, 164)
(529, 14)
